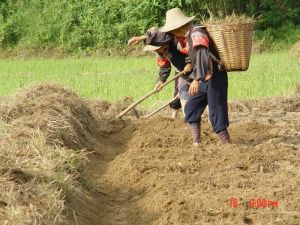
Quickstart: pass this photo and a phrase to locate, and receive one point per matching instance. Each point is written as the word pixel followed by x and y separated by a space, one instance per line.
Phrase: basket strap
pixel 213 57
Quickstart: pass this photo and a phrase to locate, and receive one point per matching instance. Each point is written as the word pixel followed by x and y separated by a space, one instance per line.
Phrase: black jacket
pixel 199 47
pixel 172 56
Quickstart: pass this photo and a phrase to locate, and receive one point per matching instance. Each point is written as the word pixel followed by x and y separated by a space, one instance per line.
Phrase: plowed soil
pixel 146 172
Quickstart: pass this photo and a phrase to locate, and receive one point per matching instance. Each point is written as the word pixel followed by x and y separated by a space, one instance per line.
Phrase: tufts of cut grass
pixel 44 131
pixel 230 19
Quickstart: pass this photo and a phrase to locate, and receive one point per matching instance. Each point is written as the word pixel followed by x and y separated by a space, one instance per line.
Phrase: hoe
pixel 131 107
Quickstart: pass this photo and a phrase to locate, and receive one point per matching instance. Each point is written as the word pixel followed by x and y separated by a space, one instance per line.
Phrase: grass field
pixel 114 78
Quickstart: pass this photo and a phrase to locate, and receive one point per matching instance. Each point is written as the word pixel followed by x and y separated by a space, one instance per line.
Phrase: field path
pixel 107 203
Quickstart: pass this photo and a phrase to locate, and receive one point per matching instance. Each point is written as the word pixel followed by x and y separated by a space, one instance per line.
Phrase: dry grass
pixel 44 130
pixel 228 20
pixel 34 176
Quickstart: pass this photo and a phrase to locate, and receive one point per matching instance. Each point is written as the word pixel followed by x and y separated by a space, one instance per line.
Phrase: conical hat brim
pixel 173 26
pixel 151 48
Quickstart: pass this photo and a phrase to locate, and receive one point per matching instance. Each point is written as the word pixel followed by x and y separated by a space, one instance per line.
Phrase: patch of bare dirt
pixel 150 174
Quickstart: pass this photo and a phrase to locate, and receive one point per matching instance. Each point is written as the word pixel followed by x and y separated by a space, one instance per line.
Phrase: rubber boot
pixel 224 137
pixel 196 133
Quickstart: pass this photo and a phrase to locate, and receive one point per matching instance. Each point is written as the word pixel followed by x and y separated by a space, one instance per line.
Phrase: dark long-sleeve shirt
pixel 201 68
pixel 198 50
pixel 176 56
pixel 164 66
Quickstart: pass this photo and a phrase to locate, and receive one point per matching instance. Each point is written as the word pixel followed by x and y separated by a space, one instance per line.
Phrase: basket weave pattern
pixel 233 43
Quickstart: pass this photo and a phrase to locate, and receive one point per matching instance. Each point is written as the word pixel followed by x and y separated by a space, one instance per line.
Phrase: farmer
pixel 169 51
pixel 210 81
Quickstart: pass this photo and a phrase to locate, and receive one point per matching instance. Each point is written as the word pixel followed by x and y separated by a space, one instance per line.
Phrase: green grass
pixel 113 78
pixel 275 74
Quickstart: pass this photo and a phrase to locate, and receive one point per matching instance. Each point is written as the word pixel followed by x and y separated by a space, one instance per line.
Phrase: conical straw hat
pixel 175 19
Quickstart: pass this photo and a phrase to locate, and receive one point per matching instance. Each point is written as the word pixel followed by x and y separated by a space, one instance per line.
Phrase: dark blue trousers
pixel 214 94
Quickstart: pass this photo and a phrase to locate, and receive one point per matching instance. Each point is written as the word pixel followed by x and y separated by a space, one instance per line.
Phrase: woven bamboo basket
pixel 233 43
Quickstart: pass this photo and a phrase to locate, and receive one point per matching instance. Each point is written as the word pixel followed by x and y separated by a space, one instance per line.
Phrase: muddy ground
pixel 146 172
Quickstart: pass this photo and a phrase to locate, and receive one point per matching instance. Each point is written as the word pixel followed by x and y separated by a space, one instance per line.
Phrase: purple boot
pixel 196 133
pixel 224 137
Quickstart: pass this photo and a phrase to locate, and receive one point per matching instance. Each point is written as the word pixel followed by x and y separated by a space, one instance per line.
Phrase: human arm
pixel 164 71
pixel 202 67
pixel 136 40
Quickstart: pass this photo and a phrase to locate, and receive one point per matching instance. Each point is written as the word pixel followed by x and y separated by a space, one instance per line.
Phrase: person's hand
pixel 208 76
pixel 158 85
pixel 194 87
pixel 136 40
pixel 188 68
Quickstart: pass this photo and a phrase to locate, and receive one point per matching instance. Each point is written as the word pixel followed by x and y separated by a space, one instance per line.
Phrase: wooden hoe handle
pixel 157 110
pixel 120 115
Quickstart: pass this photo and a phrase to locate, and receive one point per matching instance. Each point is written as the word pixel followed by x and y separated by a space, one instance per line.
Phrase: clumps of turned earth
pixel 285 104
pixel 108 110
pixel 160 179
pixel 67 160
